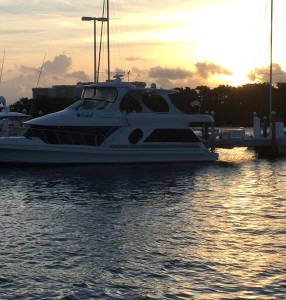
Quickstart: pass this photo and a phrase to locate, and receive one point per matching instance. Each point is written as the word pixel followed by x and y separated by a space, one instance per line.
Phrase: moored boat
pixel 113 122
pixel 11 123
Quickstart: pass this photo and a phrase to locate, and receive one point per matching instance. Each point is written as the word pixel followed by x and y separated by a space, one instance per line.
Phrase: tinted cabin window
pixel 172 135
pixel 129 104
pixel 155 103
pixel 92 136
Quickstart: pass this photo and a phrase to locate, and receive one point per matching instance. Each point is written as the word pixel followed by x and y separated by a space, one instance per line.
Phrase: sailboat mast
pixel 108 45
pixel 271 71
pixel 2 67
pixel 41 70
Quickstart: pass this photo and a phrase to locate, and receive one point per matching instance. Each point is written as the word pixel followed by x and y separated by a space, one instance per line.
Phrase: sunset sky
pixel 173 43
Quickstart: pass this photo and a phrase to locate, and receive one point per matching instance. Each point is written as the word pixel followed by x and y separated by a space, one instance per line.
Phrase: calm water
pixel 210 231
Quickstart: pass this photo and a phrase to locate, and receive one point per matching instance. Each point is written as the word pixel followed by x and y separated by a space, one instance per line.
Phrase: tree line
pixel 233 106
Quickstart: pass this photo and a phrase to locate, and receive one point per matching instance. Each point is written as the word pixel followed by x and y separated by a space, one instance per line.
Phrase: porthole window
pixel 135 136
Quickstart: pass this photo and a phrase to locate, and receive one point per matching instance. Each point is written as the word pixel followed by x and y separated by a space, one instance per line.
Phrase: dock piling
pixel 273 134
pixel 213 133
pixel 264 127
pixel 256 126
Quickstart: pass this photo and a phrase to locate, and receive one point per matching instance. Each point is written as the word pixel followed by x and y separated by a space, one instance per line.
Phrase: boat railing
pixel 12 131
pixel 52 136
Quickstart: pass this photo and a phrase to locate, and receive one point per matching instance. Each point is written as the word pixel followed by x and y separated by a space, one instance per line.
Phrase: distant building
pixel 68 91
pixel 61 91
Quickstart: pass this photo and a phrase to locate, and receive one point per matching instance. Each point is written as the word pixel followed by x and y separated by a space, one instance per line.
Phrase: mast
pixel 271 71
pixel 105 12
pixel 108 45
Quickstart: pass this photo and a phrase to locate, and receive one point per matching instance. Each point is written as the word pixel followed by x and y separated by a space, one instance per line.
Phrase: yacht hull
pixel 21 150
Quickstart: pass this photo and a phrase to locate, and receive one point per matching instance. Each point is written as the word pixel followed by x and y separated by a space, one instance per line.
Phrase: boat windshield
pixel 95 98
pixel 101 94
pixel 89 105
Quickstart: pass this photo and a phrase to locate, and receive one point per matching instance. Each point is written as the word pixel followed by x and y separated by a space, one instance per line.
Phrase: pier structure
pixel 266 141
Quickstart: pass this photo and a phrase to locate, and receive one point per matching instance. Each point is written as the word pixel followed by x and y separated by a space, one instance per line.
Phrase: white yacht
pixel 11 123
pixel 114 122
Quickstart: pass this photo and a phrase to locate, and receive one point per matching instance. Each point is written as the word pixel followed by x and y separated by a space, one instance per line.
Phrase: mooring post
pixel 264 127
pixel 256 126
pixel 273 134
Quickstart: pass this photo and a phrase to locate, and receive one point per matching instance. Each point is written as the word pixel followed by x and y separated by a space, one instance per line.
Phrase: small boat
pixel 11 123
pixel 114 122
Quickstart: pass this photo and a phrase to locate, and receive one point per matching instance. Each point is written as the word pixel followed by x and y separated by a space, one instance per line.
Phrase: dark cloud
pixel 169 73
pixel 262 74
pixel 79 74
pixel 205 70
pixel 132 58
pixel 54 72
pixel 61 64
pixel 177 77
pixel 27 70
pixel 32 7
pixel 58 71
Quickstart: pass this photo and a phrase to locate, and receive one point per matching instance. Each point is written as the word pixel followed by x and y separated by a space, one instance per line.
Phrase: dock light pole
pixel 94 41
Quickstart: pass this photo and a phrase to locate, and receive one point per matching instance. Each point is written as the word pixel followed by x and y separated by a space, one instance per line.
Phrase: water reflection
pixel 236 155
pixel 242 232
pixel 119 182
pixel 202 231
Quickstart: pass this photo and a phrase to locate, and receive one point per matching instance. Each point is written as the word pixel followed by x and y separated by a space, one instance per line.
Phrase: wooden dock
pixel 270 146
pixel 266 141
pixel 246 142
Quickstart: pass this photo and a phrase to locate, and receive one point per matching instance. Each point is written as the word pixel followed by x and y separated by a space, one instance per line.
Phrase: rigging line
pixel 100 43
pixel 41 71
pixel 139 74
pixel 2 67
pixel 34 100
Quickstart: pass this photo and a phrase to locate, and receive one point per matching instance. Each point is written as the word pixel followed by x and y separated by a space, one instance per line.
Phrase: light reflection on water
pixel 211 231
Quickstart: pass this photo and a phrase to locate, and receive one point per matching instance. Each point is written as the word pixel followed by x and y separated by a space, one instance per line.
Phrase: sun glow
pixel 234 40
pixel 227 35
